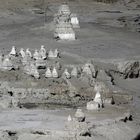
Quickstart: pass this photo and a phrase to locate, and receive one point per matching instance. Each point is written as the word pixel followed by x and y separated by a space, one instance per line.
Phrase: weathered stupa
pixel 64 9
pixel 65 22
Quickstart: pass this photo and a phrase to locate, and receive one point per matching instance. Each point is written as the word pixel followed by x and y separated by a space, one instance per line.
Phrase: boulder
pixel 129 69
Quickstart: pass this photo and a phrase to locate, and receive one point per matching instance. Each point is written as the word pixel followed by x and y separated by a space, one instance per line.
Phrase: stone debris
pixel 48 73
pixel 28 52
pixel 22 52
pixel 43 52
pixel 54 73
pixel 13 51
pixel 66 74
pixel 79 115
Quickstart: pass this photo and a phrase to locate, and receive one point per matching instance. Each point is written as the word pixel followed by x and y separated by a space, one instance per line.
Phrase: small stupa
pixel 43 52
pixel 22 52
pixel 74 72
pixel 80 116
pixel 36 55
pixel 66 74
pixel 98 98
pixel 87 70
pixel 56 53
pixel 48 73
pixel 69 118
pixel 7 64
pixel 74 21
pixel 34 71
pixel 13 51
pixel 54 73
pixel 28 52
pixel 51 54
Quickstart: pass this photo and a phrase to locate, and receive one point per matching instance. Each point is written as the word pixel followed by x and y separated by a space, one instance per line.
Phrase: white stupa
pixel 34 71
pixel 42 52
pixel 13 51
pixel 28 52
pixel 74 20
pixel 22 52
pixel 97 98
pixel 56 53
pixel 51 54
pixel 87 70
pixel 74 72
pixel 66 74
pixel 80 115
pixel 69 118
pixel 48 73
pixel 36 55
pixel 54 73
pixel 7 64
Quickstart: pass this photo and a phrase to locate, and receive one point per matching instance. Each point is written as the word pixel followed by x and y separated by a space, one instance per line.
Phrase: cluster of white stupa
pixel 65 21
pixel 38 54
pixel 31 63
